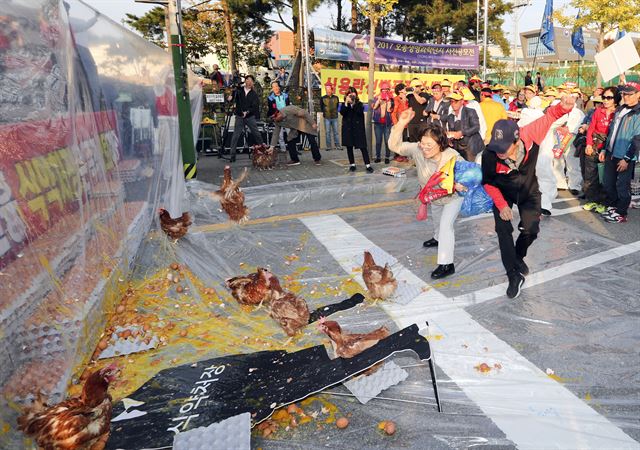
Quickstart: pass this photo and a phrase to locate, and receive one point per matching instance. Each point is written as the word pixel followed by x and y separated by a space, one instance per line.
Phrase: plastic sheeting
pixel 88 148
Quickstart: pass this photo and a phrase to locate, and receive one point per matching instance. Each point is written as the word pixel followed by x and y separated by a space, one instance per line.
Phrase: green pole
pixel 182 93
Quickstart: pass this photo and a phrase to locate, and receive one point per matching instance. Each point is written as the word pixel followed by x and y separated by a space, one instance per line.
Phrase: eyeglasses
pixel 608 97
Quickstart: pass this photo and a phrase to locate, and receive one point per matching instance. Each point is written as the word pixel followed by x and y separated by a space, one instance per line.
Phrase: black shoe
pixel 352 168
pixel 232 159
pixel 574 191
pixel 377 160
pixel 430 243
pixel 545 212
pixel 443 270
pixel 516 281
pixel 582 196
pixel 369 169
pixel 386 160
pixel 522 267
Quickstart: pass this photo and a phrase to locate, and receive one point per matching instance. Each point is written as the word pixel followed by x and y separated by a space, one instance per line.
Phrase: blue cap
pixel 505 132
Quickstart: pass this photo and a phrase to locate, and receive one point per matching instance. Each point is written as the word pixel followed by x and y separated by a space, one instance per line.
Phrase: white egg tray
pixel 367 387
pixel 232 433
pixel 129 345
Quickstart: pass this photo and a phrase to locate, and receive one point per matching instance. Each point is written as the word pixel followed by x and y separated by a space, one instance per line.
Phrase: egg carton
pixel 635 188
pixel 128 346
pixel 379 256
pixel 405 292
pixel 234 432
pixel 367 387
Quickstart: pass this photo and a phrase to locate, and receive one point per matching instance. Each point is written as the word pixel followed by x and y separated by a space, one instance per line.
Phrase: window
pixel 532 43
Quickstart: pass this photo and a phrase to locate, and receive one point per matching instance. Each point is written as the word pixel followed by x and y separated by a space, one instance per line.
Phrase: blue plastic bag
pixel 476 200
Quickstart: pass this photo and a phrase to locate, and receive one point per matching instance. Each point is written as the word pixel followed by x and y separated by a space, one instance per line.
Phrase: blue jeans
pixel 381 129
pixel 331 126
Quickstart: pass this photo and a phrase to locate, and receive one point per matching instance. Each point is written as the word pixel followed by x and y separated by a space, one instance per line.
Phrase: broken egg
pixel 342 423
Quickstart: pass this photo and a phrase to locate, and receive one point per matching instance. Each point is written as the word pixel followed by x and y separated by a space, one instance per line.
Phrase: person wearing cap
pixel 621 153
pixel 418 103
pixel 492 111
pixel 382 107
pixel 509 177
pixel 475 86
pixel 446 87
pixel 437 108
pixel 400 104
pixel 497 96
pixel 595 137
pixel 329 107
pixel 470 102
pixel 432 154
pixel 530 91
pixel 463 128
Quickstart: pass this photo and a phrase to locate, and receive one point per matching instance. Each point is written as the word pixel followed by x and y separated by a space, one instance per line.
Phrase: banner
pixel 359 79
pixel 341 46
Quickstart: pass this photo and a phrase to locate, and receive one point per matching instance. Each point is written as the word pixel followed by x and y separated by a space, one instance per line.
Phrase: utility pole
pixel 307 60
pixel 516 18
pixel 173 19
pixel 486 28
pixel 477 22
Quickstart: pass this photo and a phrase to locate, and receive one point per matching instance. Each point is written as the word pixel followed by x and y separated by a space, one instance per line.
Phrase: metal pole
pixel 182 90
pixel 307 60
pixel 515 47
pixel 477 22
pixel 486 26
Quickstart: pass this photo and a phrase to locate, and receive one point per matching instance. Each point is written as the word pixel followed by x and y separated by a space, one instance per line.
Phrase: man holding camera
pixel 247 113
pixel 417 102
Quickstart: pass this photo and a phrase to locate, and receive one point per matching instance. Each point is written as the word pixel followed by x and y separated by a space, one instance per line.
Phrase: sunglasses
pixel 608 97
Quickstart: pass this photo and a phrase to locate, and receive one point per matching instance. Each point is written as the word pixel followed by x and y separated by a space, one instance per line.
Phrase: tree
pixel 204 29
pixel 447 21
pixel 374 10
pixel 602 17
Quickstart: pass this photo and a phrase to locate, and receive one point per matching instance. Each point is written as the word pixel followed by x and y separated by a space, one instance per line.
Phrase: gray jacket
pixel 296 120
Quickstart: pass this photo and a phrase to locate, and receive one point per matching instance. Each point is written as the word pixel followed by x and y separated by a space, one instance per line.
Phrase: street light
pixel 517 4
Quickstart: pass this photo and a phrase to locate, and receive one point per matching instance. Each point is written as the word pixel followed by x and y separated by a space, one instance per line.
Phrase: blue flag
pixel 620 34
pixel 546 33
pixel 577 40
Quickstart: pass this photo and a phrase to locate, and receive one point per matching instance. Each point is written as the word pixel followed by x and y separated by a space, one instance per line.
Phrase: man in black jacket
pixel 463 128
pixel 437 106
pixel 247 113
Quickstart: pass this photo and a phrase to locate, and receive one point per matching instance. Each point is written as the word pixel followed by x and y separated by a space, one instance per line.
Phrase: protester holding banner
pixel 353 132
pixel 329 107
pixel 418 103
pixel 431 155
pixel 381 117
pixel 463 128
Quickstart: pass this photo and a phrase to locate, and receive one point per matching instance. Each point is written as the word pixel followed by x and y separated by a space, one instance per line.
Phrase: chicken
pixel 379 281
pixel 231 197
pixel 290 311
pixel 263 156
pixel 80 423
pixel 255 288
pixel 349 345
pixel 174 228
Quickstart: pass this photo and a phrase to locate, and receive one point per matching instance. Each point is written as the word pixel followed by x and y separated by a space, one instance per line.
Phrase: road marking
pixel 546 275
pixel 530 408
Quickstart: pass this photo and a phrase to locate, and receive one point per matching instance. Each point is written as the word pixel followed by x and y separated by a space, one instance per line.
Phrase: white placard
pixel 214 98
pixel 618 57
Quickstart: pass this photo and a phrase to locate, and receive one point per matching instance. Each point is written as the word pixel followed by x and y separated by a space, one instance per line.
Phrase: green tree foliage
pixel 447 21
pixel 204 29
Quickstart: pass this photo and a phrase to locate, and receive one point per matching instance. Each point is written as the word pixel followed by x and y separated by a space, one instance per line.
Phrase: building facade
pixel 564 51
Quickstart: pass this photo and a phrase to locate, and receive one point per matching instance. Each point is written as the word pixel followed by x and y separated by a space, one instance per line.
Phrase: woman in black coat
pixel 353 134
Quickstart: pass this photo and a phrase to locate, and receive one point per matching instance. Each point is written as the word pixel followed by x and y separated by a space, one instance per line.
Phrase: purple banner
pixel 341 46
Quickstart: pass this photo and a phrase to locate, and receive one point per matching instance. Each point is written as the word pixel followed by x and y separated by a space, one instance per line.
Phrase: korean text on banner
pixel 341 46
pixel 342 79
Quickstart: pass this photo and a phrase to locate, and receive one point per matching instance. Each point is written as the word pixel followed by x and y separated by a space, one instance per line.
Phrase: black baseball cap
pixel 505 132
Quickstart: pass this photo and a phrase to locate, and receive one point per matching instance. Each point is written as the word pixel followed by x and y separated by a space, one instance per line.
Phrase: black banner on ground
pixel 197 395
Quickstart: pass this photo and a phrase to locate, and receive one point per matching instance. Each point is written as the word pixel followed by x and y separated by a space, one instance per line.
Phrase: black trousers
pixel 415 130
pixel 617 185
pixel 365 155
pixel 593 190
pixel 529 227
pixel 293 150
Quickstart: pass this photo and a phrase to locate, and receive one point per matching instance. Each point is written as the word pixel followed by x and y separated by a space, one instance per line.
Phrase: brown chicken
pixel 81 423
pixel 174 228
pixel 379 281
pixel 290 311
pixel 231 197
pixel 263 156
pixel 349 345
pixel 255 288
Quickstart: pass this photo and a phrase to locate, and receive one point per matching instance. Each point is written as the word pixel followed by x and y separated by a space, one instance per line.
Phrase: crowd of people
pixel 529 144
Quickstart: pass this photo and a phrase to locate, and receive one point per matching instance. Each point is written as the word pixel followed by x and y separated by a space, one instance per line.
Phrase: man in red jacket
pixel 509 177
